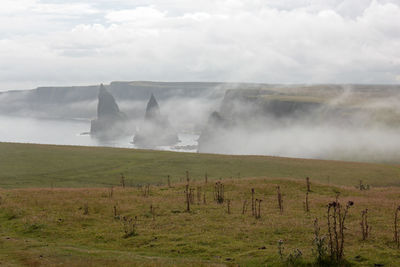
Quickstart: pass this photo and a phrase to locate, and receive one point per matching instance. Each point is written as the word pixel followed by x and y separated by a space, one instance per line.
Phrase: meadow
pixel 70 206
pixel 30 165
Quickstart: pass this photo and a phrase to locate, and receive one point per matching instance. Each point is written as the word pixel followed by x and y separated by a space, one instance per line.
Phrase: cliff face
pixel 156 129
pixel 239 103
pixel 71 102
pixel 110 120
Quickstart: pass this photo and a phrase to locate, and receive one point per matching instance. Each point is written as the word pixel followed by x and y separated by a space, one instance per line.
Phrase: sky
pixel 79 42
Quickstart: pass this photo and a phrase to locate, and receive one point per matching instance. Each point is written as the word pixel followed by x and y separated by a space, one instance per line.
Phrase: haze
pixel 58 42
pixel 315 79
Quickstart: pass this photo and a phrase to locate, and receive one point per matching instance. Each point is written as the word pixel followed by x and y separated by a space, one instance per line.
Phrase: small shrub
pixel 30 228
pixel 219 192
pixel 111 192
pixel 129 226
pixel 153 212
pixel 280 200
pixel 295 258
pixel 244 208
pixel 146 190
pixel 122 180
pixel 306 204
pixel 253 204
pixel 364 224
pixel 280 248
pixel 363 186
pixel 396 231
pixel 85 209
pixel 319 243
pixel 187 198
pixel 336 217
pixel 115 210
pixel 258 208
pixel 198 195
pixel 191 195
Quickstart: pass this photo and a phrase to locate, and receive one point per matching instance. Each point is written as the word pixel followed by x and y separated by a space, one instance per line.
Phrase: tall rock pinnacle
pixel 110 119
pixel 152 109
pixel 107 107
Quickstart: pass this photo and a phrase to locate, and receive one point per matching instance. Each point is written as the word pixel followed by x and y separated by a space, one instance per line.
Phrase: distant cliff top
pixel 81 101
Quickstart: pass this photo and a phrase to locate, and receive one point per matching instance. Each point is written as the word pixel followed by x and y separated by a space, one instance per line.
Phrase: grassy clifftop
pixel 86 227
pixel 151 226
pixel 28 165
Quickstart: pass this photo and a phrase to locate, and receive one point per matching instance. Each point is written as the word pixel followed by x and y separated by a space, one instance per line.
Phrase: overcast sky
pixel 70 42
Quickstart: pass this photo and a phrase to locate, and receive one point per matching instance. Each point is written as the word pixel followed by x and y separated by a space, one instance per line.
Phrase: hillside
pixel 29 165
pixel 129 227
pixel 69 206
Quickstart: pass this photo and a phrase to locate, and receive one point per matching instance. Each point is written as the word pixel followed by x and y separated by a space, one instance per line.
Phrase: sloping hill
pixel 27 165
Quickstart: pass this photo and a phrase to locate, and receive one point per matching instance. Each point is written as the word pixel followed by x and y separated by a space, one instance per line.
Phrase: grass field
pixel 49 226
pixel 26 165
pixel 56 208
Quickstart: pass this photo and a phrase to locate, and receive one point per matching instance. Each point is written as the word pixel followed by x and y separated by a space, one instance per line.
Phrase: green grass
pixel 48 226
pixel 28 165
pixel 42 226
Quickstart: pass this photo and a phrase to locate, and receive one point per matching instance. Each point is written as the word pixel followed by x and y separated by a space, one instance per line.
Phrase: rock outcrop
pixel 110 120
pixel 156 129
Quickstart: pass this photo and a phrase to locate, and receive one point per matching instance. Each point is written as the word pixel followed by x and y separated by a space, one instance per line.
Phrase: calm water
pixel 69 132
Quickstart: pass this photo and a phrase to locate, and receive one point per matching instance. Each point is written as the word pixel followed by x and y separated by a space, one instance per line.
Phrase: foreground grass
pixel 48 226
pixel 27 165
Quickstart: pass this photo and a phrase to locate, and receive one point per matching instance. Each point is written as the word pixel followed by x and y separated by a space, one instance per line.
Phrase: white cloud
pixel 140 15
pixel 75 42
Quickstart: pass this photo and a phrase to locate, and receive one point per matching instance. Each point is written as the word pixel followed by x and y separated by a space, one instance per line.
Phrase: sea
pixel 74 132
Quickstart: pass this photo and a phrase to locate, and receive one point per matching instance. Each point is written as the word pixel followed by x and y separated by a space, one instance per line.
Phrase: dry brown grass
pixel 51 223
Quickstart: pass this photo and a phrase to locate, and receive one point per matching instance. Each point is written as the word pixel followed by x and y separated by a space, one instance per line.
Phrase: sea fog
pixel 73 132
pixel 333 122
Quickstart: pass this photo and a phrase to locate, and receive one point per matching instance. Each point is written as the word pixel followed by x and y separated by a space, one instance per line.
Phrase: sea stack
pixel 110 120
pixel 156 129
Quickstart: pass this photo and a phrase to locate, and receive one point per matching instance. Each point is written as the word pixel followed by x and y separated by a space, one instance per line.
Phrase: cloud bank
pixel 57 42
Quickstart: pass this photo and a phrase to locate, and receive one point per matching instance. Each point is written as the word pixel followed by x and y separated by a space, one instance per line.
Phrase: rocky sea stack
pixel 110 120
pixel 156 129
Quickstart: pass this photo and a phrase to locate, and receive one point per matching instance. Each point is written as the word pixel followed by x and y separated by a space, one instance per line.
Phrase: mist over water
pixel 315 142
pixel 71 132
pixel 328 122
pixel 344 123
pixel 301 140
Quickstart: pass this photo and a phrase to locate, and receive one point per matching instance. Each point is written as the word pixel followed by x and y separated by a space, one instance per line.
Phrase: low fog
pixel 274 46
pixel 355 123
pixel 185 114
pixel 310 141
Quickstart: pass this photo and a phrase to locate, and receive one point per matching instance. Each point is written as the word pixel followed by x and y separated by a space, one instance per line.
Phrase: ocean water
pixel 73 132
